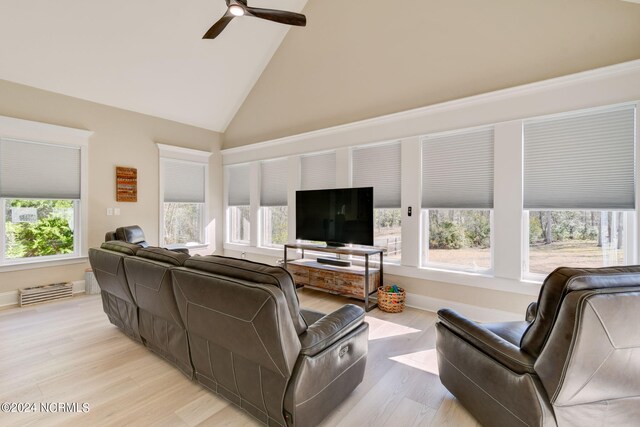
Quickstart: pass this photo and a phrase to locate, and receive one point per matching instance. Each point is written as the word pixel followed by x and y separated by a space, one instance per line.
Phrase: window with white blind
pixel 579 188
pixel 238 203
pixel 378 166
pixel 183 196
pixel 457 199
pixel 273 202
pixel 318 171
pixel 40 193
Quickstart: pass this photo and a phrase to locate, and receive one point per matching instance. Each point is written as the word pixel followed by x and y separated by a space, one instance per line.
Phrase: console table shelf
pixel 353 281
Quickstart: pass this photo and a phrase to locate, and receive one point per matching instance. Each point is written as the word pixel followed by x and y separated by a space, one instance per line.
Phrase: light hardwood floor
pixel 69 352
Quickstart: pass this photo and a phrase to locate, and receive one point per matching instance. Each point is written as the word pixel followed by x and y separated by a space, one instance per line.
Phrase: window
pixel 273 202
pixel 579 189
pixel 238 204
pixel 40 203
pixel 183 197
pixel 576 239
pixel 457 200
pixel 378 166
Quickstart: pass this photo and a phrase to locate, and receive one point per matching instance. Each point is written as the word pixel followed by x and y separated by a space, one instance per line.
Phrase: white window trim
pixel 171 152
pixel 30 131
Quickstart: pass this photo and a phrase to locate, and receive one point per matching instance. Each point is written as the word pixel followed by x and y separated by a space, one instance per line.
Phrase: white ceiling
pixel 140 55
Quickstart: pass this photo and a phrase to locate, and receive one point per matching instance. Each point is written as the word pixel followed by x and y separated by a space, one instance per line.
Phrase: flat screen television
pixel 337 216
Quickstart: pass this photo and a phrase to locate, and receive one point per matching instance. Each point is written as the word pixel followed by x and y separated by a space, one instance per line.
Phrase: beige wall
pixel 359 59
pixel 121 138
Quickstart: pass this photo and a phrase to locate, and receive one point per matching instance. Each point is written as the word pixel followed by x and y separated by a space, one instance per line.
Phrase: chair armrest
pixel 311 316
pixel 486 341
pixel 329 329
pixel 532 312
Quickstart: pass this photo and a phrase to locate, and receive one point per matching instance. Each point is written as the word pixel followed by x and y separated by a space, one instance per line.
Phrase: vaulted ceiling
pixel 146 56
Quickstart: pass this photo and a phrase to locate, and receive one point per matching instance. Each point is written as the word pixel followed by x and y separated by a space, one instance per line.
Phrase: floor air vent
pixel 45 293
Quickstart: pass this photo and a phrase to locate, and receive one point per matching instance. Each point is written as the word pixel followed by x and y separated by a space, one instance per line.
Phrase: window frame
pixel 44 133
pixel 187 155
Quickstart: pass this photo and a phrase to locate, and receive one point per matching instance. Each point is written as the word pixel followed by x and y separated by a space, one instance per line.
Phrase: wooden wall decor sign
pixel 126 184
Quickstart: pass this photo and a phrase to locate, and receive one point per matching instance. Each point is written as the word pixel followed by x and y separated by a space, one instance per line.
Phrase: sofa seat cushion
pixel 254 272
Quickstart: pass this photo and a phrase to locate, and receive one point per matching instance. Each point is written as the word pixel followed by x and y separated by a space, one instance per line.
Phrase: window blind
pixel 273 183
pixel 35 170
pixel 318 171
pixel 581 161
pixel 379 167
pixel 184 181
pixel 239 189
pixel 457 170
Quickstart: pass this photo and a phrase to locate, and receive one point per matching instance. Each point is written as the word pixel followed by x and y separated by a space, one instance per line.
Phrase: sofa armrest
pixel 329 329
pixel 532 312
pixel 311 316
pixel 486 341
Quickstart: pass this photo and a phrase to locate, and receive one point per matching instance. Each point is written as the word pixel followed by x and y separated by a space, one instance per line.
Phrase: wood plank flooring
pixel 69 352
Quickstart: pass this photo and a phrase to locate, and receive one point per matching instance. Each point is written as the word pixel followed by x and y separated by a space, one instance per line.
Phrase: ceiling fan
pixel 240 8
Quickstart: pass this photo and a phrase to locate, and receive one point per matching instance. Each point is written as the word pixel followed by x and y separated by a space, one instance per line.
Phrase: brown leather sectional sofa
pixel 236 327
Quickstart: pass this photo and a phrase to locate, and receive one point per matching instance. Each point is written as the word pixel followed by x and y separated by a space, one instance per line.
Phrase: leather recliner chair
pixel 133 234
pixel 575 361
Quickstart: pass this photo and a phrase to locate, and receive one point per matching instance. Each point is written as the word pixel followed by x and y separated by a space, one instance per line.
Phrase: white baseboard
pixel 474 312
pixel 10 298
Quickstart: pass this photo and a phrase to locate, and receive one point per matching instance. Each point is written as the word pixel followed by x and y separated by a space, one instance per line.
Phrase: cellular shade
pixel 238 186
pixel 457 170
pixel 379 167
pixel 273 183
pixel 184 182
pixel 34 170
pixel 318 171
pixel 581 161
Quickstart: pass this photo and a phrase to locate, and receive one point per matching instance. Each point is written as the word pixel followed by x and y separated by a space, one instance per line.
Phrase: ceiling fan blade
pixel 217 28
pixel 281 16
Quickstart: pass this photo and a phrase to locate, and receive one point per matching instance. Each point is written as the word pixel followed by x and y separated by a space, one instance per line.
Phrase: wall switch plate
pixel 109 211
pixel 116 211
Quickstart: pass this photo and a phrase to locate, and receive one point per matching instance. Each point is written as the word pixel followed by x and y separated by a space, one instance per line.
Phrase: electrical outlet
pixel 109 211
pixel 116 211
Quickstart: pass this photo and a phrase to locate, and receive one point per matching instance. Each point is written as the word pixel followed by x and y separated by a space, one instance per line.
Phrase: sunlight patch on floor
pixel 383 329
pixel 426 360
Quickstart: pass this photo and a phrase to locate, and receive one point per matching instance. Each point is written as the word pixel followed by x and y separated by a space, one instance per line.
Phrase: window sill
pixel 261 250
pixel 31 264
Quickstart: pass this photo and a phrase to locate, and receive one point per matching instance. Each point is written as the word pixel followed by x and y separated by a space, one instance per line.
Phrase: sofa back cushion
pixel 242 340
pixel 124 248
pixel 167 256
pixel 254 272
pixel 150 281
pixel 558 284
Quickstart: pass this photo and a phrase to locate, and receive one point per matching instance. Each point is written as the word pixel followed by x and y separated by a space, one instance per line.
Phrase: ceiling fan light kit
pixel 237 8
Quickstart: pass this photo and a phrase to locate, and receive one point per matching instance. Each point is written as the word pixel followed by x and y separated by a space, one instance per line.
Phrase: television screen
pixel 337 216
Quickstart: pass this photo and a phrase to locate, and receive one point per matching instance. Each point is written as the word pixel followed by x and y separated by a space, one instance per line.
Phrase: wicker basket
pixel 391 302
